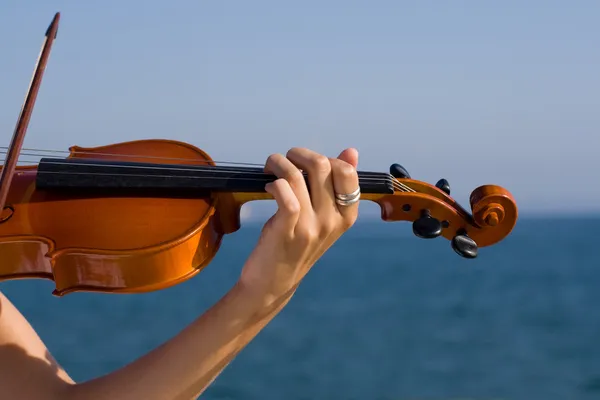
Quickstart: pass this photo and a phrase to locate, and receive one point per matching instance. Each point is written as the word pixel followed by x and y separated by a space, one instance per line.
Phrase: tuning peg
pixel 427 227
pixel 463 245
pixel 398 171
pixel 444 186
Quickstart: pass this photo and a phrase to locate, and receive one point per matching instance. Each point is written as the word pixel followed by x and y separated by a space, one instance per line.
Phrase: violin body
pixel 145 215
pixel 111 243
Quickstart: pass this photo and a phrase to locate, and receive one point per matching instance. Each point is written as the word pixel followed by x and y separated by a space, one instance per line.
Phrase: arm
pixel 183 367
pixel 303 228
pixel 179 369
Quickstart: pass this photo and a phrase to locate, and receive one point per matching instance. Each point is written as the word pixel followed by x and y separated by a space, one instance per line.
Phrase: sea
pixel 383 316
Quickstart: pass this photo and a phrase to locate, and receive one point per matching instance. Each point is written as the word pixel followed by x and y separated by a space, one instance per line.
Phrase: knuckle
pixel 295 177
pixel 292 206
pixel 346 170
pixel 279 185
pixel 307 234
pixel 328 227
pixel 289 202
pixel 349 220
pixel 321 163
pixel 294 150
pixel 272 159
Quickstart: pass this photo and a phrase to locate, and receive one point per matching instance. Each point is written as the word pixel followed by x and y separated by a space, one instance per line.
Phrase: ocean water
pixel 383 315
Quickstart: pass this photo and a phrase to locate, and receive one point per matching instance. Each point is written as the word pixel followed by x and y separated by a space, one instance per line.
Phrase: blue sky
pixel 476 92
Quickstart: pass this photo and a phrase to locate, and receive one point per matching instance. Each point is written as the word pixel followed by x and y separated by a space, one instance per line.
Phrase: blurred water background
pixel 383 315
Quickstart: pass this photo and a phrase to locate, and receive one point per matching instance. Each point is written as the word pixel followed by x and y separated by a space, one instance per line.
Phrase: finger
pixel 283 168
pixel 350 156
pixel 288 206
pixel 318 168
pixel 345 181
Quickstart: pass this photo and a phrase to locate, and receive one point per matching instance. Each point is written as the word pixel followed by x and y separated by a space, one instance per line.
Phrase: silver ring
pixel 346 203
pixel 348 199
pixel 349 196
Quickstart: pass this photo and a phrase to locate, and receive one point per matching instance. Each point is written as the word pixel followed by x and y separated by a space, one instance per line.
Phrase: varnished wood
pixel 108 243
pixel 112 243
pixel 486 201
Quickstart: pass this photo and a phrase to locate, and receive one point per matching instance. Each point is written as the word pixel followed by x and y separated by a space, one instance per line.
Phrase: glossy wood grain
pixel 118 243
pixel 108 243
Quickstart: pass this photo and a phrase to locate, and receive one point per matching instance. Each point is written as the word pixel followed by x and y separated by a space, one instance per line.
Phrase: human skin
pixel 305 225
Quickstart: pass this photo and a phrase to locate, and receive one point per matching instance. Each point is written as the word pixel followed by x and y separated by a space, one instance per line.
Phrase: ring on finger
pixel 348 199
pixel 348 196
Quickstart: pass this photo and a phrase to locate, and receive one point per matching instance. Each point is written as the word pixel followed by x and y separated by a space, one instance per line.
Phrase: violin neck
pixel 85 174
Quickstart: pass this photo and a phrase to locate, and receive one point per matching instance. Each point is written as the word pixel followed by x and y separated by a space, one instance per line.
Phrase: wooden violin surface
pixel 109 242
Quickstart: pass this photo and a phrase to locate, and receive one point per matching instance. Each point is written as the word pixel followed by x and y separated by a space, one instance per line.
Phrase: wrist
pixel 260 300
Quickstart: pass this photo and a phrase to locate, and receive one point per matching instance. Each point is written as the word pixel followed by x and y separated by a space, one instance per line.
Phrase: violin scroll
pixel 491 204
pixel 434 213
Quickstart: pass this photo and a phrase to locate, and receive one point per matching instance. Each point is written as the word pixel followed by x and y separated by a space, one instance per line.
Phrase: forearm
pixel 184 366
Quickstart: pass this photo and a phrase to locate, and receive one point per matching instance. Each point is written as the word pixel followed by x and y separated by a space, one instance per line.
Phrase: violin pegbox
pixel 434 213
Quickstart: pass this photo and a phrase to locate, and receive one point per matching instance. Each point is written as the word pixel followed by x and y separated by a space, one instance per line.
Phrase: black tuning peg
pixel 398 171
pixel 463 245
pixel 427 227
pixel 444 186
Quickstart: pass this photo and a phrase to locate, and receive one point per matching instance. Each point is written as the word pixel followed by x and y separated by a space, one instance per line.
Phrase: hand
pixel 305 224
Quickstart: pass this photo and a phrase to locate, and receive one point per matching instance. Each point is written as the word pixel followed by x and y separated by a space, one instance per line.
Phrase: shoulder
pixel 24 357
pixel 14 328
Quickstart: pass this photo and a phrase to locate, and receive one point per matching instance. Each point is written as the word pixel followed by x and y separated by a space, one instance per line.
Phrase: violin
pixel 145 215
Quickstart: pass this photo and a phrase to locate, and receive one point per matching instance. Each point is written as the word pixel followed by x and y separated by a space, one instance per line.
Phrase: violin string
pixel 388 177
pixel 4 149
pixel 209 167
pixel 40 152
pixel 364 179
pixel 195 161
pixel 398 186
